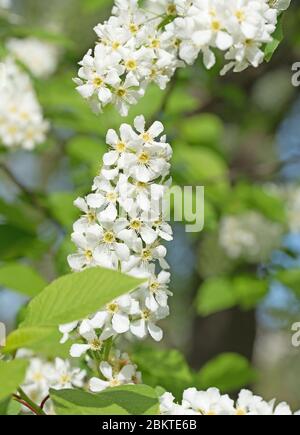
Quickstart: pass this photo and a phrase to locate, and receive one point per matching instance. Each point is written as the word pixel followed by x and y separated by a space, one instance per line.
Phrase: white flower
pixel 211 402
pixel 121 228
pixel 120 145
pixel 93 342
pixel 249 236
pixel 139 264
pixel 147 44
pixel 66 330
pixel 136 228
pixel 147 323
pixel 169 407
pixel 247 403
pixel 157 291
pixel 96 76
pixel 87 244
pixel 124 376
pixel 38 373
pixel 40 57
pixel 115 319
pixel 127 93
pixel 67 377
pixel 21 118
pixel 42 375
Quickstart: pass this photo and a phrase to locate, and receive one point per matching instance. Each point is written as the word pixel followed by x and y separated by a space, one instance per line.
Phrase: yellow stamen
pixel 131 64
pixel 109 237
pixel 88 255
pixel 96 344
pixel 144 158
pixel 135 224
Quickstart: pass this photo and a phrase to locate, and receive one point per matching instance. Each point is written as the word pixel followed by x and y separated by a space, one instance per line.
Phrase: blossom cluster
pixel 21 118
pixel 42 375
pixel 212 402
pixel 139 45
pixel 249 236
pixel 122 228
pixel 40 57
pixel 119 370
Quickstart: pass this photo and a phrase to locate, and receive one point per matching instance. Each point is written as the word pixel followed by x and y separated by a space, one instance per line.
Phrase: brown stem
pixel 42 405
pixel 22 402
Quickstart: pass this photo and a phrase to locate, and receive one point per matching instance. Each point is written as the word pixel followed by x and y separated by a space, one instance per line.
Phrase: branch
pixel 27 402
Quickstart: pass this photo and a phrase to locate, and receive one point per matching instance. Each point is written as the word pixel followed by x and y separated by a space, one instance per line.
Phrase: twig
pixel 42 405
pixel 24 400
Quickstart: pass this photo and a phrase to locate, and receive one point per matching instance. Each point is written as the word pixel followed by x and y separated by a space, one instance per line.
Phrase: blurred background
pixel 237 283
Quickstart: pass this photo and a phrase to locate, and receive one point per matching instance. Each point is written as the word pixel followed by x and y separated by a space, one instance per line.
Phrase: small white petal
pixel 77 350
pixel 96 385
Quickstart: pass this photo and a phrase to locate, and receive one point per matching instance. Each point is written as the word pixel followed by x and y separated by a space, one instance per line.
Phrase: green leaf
pixel 201 166
pixel 12 375
pixel 126 400
pixel 277 37
pixel 66 248
pixel 94 5
pixel 228 372
pixel 181 101
pixel 249 290
pixel 9 407
pixel 156 366
pixel 290 278
pixel 62 207
pixel 205 129
pixel 88 150
pixel 19 215
pixel 214 295
pixel 221 293
pixel 254 197
pixel 21 278
pixel 77 295
pixel 40 33
pixel 42 340
pixel 15 243
pixel 4 404
pixel 14 408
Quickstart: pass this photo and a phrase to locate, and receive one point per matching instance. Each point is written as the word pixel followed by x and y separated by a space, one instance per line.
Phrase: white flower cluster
pixel 21 118
pixel 122 228
pixel 41 58
pixel 132 52
pixel 249 236
pixel 42 375
pixel 239 28
pixel 118 371
pixel 212 402
pixel 138 46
